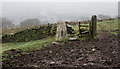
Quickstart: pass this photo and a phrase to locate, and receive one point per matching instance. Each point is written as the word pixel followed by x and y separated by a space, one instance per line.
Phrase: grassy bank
pixel 27 46
pixel 108 25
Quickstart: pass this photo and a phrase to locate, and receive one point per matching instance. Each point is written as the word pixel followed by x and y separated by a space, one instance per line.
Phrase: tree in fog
pixel 30 22
pixel 102 17
pixel 6 23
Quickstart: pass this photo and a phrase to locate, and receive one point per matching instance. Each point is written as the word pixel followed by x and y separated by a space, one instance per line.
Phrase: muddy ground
pixel 101 52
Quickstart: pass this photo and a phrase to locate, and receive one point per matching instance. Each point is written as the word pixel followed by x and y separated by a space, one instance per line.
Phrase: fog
pixel 56 11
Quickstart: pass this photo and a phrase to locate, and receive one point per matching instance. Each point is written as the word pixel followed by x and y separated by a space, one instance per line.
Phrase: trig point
pixel 61 32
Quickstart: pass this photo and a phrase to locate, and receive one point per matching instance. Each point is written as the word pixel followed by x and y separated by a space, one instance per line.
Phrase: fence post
pixel 93 27
pixel 90 30
pixel 49 28
pixel 79 29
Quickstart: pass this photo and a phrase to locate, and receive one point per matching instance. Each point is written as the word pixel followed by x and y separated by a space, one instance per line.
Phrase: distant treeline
pixel 6 23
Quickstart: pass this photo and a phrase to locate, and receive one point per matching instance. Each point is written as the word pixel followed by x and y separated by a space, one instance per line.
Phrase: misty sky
pixel 59 0
pixel 56 11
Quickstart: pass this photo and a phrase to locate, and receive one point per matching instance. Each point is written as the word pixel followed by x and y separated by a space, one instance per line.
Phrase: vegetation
pixel 30 34
pixel 108 25
pixel 5 23
pixel 105 25
pixel 25 46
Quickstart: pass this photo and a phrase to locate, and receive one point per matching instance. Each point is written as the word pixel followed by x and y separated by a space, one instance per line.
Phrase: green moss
pixel 30 34
pixel 3 59
pixel 6 55
pixel 11 56
pixel 114 33
pixel 18 54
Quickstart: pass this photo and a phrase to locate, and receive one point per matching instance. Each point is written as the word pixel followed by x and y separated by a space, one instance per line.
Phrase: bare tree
pixel 5 23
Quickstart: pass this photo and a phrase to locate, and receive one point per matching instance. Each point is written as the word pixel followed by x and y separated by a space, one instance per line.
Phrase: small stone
pixel 72 38
pixel 114 52
pixel 79 59
pixel 93 50
pixel 91 63
pixel 57 54
pixel 52 62
pixel 85 64
pixel 72 50
pixel 56 43
pixel 50 51
pixel 11 33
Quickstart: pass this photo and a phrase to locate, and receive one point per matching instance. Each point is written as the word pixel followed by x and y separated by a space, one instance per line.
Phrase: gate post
pixel 93 28
pixel 79 29
pixel 90 30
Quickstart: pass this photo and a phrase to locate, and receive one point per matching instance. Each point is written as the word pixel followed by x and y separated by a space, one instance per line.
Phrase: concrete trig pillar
pixel 61 32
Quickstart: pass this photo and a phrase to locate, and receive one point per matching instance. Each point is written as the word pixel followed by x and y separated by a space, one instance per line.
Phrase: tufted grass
pixel 27 46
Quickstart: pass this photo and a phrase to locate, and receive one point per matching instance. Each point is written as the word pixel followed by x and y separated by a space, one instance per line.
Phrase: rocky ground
pixel 101 52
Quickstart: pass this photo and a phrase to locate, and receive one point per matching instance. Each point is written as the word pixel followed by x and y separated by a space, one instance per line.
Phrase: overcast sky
pixel 19 10
pixel 59 0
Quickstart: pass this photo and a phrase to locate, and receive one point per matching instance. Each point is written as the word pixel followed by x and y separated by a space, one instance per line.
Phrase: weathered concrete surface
pixel 61 32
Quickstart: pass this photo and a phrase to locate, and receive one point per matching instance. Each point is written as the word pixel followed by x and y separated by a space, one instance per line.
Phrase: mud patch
pixel 102 52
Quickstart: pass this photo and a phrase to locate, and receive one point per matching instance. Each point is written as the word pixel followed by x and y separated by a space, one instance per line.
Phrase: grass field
pixel 108 25
pixel 27 46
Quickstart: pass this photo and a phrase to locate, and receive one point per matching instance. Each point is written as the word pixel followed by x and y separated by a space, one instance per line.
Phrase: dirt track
pixel 102 52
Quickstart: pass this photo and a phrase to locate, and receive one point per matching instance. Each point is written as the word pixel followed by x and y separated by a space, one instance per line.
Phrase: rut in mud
pixel 101 52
